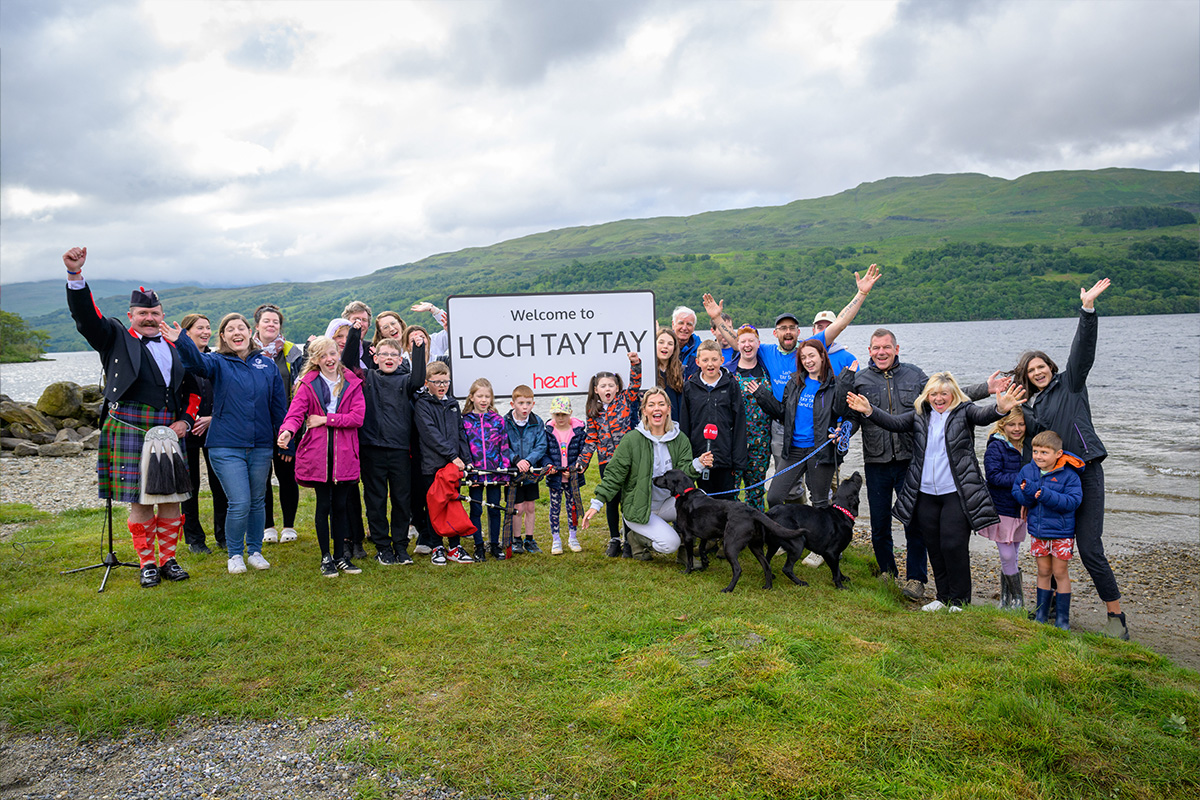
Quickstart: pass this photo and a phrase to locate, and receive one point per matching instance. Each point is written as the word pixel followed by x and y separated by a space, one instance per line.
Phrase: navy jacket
pixel 249 401
pixel 440 431
pixel 527 441
pixel 578 434
pixel 1001 463
pixel 1051 516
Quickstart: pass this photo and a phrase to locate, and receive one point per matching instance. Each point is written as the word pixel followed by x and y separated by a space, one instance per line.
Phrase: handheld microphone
pixel 710 433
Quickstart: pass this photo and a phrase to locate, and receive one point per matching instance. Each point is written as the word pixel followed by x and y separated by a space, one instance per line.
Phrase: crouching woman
pixel 648 451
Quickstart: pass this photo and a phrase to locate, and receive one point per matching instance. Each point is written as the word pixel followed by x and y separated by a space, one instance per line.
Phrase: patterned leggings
pixel 759 459
pixel 557 493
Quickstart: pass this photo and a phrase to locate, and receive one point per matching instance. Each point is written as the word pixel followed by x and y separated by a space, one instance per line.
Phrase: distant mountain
pixel 963 246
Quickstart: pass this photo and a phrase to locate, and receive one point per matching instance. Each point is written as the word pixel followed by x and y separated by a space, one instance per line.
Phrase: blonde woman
pixel 649 450
pixel 944 495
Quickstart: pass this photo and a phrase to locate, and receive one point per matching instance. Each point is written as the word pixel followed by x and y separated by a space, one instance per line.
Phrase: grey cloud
pixel 274 46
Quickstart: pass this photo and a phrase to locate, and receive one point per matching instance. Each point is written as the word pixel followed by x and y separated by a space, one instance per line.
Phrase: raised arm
pixel 847 314
pixel 714 309
pixel 1083 347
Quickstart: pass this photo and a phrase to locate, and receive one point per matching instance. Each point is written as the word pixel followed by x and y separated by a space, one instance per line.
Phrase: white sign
pixel 552 343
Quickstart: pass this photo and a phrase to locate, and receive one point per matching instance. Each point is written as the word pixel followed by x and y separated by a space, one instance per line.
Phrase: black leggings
pixel 289 493
pixel 612 510
pixel 946 531
pixel 331 513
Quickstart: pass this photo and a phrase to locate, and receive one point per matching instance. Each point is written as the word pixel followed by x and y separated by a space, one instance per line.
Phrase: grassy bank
pixel 593 678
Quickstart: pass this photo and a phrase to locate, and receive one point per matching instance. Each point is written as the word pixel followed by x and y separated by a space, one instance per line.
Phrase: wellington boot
pixel 1005 592
pixel 1042 613
pixel 1062 612
pixel 1018 591
pixel 641 548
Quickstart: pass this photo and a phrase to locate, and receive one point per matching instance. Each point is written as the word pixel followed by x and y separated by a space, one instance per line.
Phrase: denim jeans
pixel 883 481
pixel 243 473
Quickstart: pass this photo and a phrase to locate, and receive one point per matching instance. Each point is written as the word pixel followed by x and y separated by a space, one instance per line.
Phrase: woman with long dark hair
pixel 1058 401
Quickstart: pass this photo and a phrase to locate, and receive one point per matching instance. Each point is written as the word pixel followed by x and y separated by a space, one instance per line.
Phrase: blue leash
pixel 842 440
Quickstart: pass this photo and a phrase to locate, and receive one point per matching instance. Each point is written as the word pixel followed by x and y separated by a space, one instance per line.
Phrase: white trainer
pixel 270 536
pixel 936 605
pixel 236 565
pixel 556 547
pixel 813 560
pixel 287 535
pixel 257 561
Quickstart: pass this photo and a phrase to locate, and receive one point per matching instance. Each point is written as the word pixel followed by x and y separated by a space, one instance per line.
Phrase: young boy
pixel 713 397
pixel 1050 489
pixel 384 440
pixel 527 441
pixel 564 440
pixel 443 441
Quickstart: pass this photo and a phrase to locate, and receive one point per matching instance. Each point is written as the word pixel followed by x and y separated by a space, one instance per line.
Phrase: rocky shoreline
pixel 63 422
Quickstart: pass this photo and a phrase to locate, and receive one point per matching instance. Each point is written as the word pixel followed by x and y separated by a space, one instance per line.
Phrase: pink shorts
pixel 1062 549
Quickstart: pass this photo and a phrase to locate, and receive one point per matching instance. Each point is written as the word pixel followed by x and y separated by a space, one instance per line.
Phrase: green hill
pixel 952 247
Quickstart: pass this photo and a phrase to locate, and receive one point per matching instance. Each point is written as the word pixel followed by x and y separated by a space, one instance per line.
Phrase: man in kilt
pixel 143 388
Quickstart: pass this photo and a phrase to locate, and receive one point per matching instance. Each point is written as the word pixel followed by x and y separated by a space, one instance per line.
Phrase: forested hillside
pixel 951 247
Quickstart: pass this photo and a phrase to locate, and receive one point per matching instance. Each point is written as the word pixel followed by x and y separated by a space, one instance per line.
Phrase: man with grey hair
pixel 683 323
pixel 358 311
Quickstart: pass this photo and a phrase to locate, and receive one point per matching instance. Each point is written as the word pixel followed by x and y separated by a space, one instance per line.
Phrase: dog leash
pixel 842 441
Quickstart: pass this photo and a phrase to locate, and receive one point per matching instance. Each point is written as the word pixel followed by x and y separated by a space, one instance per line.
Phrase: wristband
pixel 74 273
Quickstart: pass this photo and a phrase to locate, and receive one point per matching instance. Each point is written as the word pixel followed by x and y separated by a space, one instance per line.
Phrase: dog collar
pixel 844 511
pixel 685 491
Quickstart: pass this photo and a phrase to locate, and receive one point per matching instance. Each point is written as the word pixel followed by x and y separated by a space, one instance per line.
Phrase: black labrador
pixel 699 517
pixel 828 530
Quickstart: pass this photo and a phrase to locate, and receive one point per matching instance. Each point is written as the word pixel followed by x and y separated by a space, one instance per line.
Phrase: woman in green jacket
pixel 646 452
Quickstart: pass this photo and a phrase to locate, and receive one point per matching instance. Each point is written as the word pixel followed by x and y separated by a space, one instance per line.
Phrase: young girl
pixel 488 440
pixel 564 438
pixel 670 368
pixel 388 325
pixel 610 415
pixel 329 400
pixel 1001 463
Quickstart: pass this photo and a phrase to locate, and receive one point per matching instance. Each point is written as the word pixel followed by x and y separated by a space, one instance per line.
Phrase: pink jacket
pixel 312 458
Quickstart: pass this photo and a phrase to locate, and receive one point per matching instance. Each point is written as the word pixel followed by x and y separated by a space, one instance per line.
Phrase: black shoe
pixel 149 576
pixel 172 571
pixel 328 568
pixel 614 548
pixel 531 546
pixel 346 565
pixel 403 558
pixel 497 553
pixel 626 550
pixel 199 549
pixel 386 558
pixel 359 552
pixel 518 546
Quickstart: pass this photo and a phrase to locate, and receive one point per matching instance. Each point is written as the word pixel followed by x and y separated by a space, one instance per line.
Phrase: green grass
pixel 595 678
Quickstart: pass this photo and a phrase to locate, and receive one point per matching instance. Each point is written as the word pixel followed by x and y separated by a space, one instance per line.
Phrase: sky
pixel 234 143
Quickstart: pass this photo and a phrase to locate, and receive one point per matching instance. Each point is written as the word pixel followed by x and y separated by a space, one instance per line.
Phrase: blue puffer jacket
pixel 527 441
pixel 249 399
pixel 1001 463
pixel 574 445
pixel 1051 516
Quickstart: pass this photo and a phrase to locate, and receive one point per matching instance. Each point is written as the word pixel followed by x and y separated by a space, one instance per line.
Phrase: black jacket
pixel 1063 406
pixel 960 449
pixel 894 391
pixel 121 352
pixel 720 406
pixel 388 421
pixel 829 406
pixel 440 430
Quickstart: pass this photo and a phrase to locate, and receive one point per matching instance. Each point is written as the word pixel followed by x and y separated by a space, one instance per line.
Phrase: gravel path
pixel 202 759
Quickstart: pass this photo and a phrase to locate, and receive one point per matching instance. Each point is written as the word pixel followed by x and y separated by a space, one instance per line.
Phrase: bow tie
pixel 148 339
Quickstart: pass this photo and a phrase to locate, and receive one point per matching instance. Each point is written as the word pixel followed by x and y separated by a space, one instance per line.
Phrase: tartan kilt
pixel 119 465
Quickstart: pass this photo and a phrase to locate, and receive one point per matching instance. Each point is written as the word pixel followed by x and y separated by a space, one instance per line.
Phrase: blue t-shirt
pixel 781 365
pixel 802 434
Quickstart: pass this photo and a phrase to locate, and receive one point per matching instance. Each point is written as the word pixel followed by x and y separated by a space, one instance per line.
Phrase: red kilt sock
pixel 143 540
pixel 168 537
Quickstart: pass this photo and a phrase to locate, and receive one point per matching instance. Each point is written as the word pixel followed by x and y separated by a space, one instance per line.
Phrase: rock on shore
pixel 62 423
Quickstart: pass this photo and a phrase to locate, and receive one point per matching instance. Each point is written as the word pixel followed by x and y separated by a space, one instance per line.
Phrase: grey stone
pixel 92 441
pixel 68 435
pixel 71 422
pixel 19 431
pixel 60 449
pixel 91 410
pixel 9 443
pixel 24 448
pixel 27 415
pixel 91 393
pixel 84 430
pixel 60 399
pixel 42 438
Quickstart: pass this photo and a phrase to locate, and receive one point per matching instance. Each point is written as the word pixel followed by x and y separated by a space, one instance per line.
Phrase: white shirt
pixel 936 477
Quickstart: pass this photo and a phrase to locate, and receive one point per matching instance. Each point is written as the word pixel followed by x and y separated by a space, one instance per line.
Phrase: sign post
pixel 552 343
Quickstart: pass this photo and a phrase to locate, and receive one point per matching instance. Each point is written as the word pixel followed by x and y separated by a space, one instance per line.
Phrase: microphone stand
pixel 110 560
